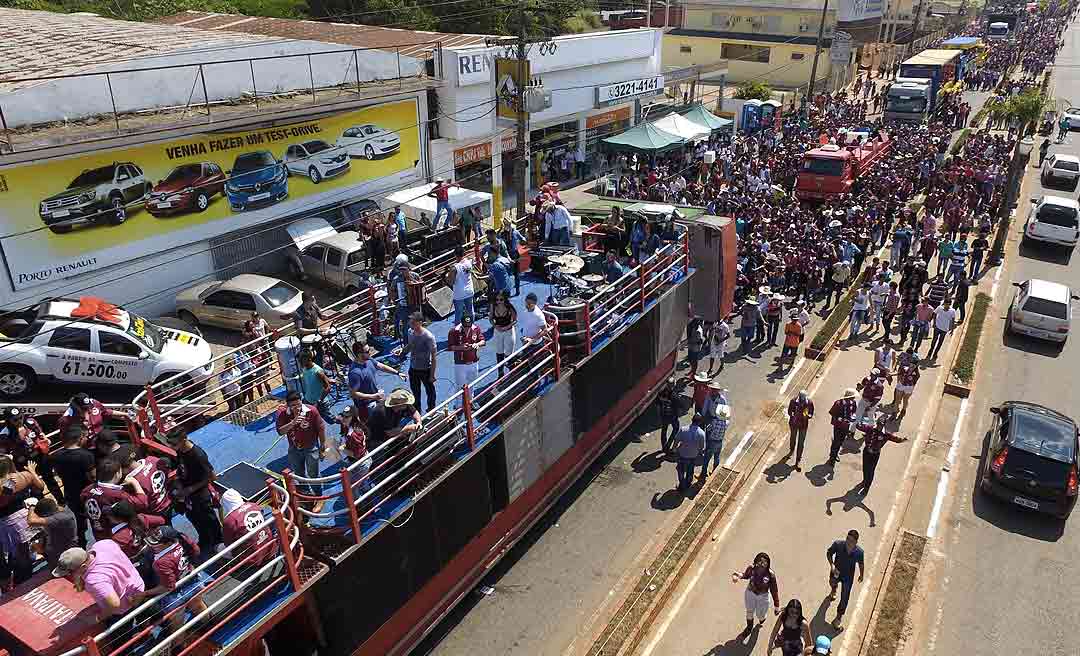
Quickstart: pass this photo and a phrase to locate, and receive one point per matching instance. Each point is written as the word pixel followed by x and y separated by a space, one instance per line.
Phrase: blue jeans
pixel 857 317
pixel 976 264
pixel 305 462
pixel 845 592
pixel 461 307
pixel 439 207
pixel 401 323
pixel 560 236
pixel 685 469
pixel 712 452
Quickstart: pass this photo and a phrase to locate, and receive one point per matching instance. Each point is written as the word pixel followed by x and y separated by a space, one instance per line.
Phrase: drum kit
pixel 564 279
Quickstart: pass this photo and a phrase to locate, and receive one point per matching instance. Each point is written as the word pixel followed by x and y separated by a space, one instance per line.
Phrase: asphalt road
pixel 1009 576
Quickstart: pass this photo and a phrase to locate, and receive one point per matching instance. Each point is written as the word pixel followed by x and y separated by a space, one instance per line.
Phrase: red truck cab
pixel 830 170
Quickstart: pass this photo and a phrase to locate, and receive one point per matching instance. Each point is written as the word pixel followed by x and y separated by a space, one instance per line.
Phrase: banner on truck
pixel 66 217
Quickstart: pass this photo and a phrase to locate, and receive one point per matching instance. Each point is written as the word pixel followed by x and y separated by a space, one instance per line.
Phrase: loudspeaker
pixel 713 255
pixel 440 303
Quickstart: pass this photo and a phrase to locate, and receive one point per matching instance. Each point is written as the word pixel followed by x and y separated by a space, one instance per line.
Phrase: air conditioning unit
pixel 803 27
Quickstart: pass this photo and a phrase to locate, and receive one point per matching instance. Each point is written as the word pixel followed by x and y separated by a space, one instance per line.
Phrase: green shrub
pixel 964 366
pixel 958 145
pixel 751 90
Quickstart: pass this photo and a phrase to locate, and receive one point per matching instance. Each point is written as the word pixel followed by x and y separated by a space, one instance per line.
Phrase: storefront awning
pixel 698 114
pixel 645 137
pixel 683 127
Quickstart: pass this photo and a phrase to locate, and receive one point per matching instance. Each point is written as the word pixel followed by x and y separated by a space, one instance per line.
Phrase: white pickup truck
pixel 86 340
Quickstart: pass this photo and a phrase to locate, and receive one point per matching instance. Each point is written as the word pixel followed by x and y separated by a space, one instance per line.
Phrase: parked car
pixel 321 254
pixel 1054 220
pixel 1031 459
pixel 230 303
pixel 101 195
pixel 369 141
pixel 317 160
pixel 187 188
pixel 1041 309
pixel 1072 115
pixel 256 180
pixel 1064 168
pixel 67 341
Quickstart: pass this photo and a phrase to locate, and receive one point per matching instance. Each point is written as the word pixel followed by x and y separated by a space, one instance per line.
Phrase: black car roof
pixel 1042 431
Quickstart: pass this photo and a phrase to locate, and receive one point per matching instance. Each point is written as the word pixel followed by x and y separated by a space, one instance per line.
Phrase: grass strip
pixel 838 315
pixel 961 139
pixel 964 366
pixel 892 614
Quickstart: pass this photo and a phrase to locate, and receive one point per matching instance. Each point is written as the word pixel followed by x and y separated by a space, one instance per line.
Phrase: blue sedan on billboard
pixel 256 180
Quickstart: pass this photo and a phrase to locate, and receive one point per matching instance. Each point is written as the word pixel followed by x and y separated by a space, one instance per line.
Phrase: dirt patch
pixel 770 408
pixel 651 583
pixel 892 613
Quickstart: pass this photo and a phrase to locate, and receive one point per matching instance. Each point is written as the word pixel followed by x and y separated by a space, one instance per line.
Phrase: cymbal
pixel 568 259
pixel 571 269
pixel 592 277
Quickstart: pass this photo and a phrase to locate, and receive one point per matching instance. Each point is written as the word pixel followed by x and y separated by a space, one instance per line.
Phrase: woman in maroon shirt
pixel 761 584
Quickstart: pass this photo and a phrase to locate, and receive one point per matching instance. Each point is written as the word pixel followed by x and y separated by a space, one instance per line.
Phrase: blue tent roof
pixel 961 41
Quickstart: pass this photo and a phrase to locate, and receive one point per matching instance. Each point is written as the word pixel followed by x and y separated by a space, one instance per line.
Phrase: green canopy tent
pixel 698 114
pixel 645 138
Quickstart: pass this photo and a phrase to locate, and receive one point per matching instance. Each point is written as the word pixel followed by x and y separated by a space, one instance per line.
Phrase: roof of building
pixel 413 43
pixel 42 43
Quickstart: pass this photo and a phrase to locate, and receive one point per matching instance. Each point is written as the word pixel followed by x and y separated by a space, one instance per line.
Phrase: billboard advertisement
pixel 65 217
pixel 852 11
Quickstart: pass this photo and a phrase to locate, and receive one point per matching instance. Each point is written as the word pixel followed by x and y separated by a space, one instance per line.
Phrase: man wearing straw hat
pixel 800 412
pixel 843 421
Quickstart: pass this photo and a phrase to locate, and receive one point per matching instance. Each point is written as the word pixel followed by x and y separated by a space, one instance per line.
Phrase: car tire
pixel 296 271
pixel 188 318
pixel 16 381
pixel 115 204
pixel 314 176
pixel 60 229
pixel 369 152
pixel 202 201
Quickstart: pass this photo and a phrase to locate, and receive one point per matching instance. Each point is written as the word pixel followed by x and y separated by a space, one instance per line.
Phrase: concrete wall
pixel 783 70
pixel 227 73
pixel 767 21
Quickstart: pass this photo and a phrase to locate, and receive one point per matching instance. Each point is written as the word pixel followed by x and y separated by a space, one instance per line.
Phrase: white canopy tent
pixel 682 126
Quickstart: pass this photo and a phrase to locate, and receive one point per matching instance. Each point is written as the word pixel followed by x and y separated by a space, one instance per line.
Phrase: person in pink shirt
pixel 106 573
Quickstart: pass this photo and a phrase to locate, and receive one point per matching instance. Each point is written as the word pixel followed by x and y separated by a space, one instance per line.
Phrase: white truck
pixel 910 100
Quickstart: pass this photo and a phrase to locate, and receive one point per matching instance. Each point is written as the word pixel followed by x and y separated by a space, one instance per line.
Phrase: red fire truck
pixel 831 169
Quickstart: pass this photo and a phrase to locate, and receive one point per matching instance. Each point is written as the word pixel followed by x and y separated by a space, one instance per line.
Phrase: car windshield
pixel 910 104
pixel 253 161
pixel 1057 215
pixel 1066 165
pixel 93 177
pixel 280 294
pixel 999 30
pixel 146 333
pixel 1045 435
pixel 185 172
pixel 823 166
pixel 1046 308
pixel 316 146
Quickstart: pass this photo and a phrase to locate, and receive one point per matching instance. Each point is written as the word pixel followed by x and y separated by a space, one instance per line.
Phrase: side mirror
pixel 995 410
pixel 1016 284
pixel 1075 297
pixel 144 355
pixel 1034 200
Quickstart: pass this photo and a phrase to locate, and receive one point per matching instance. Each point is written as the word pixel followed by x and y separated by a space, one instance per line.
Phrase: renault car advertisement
pixel 70 216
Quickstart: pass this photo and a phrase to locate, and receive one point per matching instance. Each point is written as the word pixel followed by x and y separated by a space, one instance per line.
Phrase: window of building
pixel 798 56
pixel 719 20
pixel 746 53
pixel 685 49
pixel 772 23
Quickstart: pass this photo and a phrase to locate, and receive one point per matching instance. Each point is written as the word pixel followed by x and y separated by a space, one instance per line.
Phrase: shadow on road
pixel 739 645
pixel 669 500
pixel 851 500
pixel 1045 253
pixel 778 471
pixel 1029 345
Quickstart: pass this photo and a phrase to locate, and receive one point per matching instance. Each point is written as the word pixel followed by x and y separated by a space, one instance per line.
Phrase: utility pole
pixel 521 165
pixel 817 53
pixel 915 27
pixel 648 14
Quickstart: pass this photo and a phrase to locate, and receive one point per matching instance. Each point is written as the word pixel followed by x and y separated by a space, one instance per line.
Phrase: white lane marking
pixel 943 481
pixel 791 375
pixel 939 499
pixel 950 458
pixel 997 280
pixel 676 608
pixel 888 529
pixel 734 455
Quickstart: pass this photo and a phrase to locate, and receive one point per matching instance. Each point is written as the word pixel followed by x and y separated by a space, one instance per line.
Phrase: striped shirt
pixel 959 257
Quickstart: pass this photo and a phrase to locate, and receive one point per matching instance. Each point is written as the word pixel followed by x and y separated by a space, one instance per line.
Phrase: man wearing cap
pixel 106 574
pixel 423 360
pixel 668 405
pixel 793 336
pixel 363 385
pixel 306 317
pixel 872 387
pixel 751 316
pixel 87 412
pixel 108 490
pixel 875 437
pixel 715 430
pixel 240 517
pixel 800 411
pixel 173 555
pixel 465 340
pixel 306 432
pixel 398 289
pixel 402 414
pixel 512 238
pixel 823 645
pixel 843 420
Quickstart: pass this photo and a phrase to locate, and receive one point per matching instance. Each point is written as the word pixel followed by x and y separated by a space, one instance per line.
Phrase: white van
pixel 1054 220
pixel 1041 309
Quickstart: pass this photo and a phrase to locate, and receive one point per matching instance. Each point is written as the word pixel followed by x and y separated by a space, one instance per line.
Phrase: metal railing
pixel 276 562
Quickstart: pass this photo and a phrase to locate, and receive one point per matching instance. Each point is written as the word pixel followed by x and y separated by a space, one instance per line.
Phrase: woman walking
pixel 761 583
pixel 791 633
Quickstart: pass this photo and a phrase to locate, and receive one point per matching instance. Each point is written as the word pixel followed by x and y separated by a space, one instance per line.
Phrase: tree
pixel 1027 108
pixel 751 90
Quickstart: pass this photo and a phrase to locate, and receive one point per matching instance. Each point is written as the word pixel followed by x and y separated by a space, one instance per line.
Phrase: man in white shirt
pixel 462 284
pixel 944 321
pixel 557 226
pixel 532 322
pixel 878 293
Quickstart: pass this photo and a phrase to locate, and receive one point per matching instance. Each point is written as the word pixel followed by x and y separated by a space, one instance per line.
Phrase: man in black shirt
pixel 195 475
pixel 75 466
pixel 978 250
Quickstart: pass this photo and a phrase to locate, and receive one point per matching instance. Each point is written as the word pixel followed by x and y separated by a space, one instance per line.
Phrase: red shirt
pixel 908 375
pixel 93 422
pixel 154 482
pixel 98 497
pixel 762 581
pixel 304 435
pixel 22 445
pixel 356 440
pixel 461 336
pixel 130 542
pixel 442 192
pixel 172 564
pixel 799 412
pixel 876 438
pixel 872 389
pixel 843 413
pixel 245 518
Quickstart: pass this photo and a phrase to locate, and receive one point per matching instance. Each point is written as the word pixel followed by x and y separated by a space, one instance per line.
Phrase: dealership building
pixel 104 148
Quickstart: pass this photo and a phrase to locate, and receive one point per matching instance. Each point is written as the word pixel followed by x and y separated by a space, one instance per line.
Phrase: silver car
pixel 230 303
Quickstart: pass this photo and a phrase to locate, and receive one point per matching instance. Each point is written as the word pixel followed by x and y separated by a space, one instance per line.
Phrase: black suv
pixel 1031 460
pixel 101 195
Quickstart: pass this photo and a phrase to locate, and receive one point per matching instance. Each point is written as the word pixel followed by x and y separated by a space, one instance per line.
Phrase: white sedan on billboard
pixel 316 159
pixel 369 141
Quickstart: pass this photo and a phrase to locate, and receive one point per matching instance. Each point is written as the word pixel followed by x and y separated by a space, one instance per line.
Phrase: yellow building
pixel 768 40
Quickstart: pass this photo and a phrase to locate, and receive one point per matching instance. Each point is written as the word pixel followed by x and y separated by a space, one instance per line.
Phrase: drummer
pixel 307 316
pixel 556 224
pixel 613 269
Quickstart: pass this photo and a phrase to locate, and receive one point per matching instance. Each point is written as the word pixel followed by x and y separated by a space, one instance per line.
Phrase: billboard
pixel 66 217
pixel 851 11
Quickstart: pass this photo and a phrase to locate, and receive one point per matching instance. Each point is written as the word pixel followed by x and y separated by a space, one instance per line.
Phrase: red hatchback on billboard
pixel 187 188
